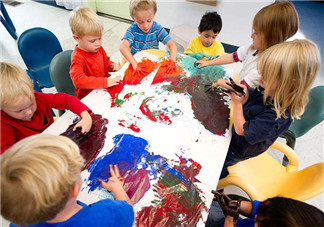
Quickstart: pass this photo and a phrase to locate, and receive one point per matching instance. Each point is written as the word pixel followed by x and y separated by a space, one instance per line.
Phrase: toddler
pixel 40 181
pixel 207 44
pixel 25 112
pixel 145 33
pixel 90 65
pixel 273 24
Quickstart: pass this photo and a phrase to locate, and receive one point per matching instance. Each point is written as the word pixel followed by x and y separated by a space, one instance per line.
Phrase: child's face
pixel 208 37
pixel 22 109
pixel 144 19
pixel 257 42
pixel 89 43
pixel 263 84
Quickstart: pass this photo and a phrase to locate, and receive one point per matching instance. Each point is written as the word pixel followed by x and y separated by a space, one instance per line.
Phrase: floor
pixel 32 14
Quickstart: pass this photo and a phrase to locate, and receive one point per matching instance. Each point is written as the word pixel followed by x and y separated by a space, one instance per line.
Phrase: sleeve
pixel 108 62
pixel 129 36
pixel 242 52
pixel 255 206
pixel 62 101
pixel 163 35
pixel 219 49
pixel 191 48
pixel 80 79
pixel 7 137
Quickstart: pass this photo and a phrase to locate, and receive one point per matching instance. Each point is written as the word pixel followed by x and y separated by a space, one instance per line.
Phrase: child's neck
pixel 70 209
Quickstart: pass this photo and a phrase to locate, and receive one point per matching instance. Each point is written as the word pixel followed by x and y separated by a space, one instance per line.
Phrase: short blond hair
pixel 291 67
pixel 83 21
pixel 276 23
pixel 139 5
pixel 37 175
pixel 14 82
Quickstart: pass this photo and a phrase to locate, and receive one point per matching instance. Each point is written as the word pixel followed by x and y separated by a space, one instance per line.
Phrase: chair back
pixel 313 115
pixel 60 72
pixel 37 47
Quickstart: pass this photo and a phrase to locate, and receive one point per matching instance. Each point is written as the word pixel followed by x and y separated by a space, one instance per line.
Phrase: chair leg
pixel 6 16
pixel 290 141
pixel 8 27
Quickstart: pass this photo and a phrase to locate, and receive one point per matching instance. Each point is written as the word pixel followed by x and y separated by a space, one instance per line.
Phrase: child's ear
pixel 76 38
pixel 199 31
pixel 75 190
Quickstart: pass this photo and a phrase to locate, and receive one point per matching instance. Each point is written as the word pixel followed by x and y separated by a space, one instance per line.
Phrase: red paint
pixel 145 109
pixel 115 90
pixel 163 74
pixel 134 128
pixel 144 68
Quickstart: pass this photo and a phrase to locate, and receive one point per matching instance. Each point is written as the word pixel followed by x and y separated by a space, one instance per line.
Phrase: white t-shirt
pixel 249 72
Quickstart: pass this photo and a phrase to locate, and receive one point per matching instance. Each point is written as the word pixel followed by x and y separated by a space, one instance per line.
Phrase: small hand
pixel 113 81
pixel 230 207
pixel 115 67
pixel 202 63
pixel 115 182
pixel 171 67
pixel 85 123
pixel 140 70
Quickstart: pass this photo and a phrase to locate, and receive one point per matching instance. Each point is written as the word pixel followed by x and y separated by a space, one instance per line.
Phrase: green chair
pixel 313 115
pixel 60 73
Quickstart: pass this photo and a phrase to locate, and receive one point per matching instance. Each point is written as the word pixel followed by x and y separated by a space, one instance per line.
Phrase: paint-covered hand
pixel 240 97
pixel 202 63
pixel 113 81
pixel 140 70
pixel 170 67
pixel 230 207
pixel 115 182
pixel 85 123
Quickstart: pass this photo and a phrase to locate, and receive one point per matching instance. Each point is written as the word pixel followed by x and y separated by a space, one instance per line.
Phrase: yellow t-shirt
pixel 196 46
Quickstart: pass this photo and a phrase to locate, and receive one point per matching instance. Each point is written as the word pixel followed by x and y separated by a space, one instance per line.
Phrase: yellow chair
pixel 263 177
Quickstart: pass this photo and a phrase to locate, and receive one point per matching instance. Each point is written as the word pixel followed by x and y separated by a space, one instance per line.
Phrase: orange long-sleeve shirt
pixel 89 71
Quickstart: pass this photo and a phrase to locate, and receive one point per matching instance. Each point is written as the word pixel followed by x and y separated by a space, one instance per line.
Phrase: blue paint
pixel 126 153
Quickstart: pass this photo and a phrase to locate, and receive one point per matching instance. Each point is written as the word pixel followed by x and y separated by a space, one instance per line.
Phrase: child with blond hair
pixel 90 65
pixel 287 72
pixel 25 112
pixel 206 43
pixel 273 24
pixel 145 33
pixel 40 182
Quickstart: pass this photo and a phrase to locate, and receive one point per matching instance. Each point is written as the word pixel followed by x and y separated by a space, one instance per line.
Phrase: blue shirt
pixel 138 40
pixel 261 128
pixel 105 212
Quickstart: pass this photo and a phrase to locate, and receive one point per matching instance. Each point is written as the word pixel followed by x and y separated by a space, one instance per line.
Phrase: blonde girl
pixel 273 24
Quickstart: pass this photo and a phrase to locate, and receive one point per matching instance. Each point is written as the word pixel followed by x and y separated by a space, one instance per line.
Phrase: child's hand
pixel 85 123
pixel 240 99
pixel 113 81
pixel 115 67
pixel 115 182
pixel 202 63
pixel 134 65
pixel 171 67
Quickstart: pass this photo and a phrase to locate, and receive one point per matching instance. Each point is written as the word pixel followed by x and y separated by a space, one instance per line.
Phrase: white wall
pixel 173 13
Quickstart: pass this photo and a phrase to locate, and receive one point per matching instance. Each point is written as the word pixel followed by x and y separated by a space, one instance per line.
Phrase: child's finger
pixel 116 170
pixel 112 172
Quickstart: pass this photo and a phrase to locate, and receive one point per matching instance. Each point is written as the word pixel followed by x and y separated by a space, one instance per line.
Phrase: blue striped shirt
pixel 138 40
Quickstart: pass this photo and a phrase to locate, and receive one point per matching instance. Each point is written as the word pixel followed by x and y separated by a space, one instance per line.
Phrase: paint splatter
pixel 131 126
pixel 114 91
pixel 162 74
pixel 90 144
pixel 144 68
pixel 178 200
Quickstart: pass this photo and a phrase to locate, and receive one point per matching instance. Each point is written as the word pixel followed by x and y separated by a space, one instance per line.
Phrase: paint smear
pixel 144 68
pixel 91 143
pixel 131 126
pixel 162 74
pixel 178 200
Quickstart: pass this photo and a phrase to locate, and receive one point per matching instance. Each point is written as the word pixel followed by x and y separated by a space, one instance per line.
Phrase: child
pixel 145 33
pixel 25 112
pixel 209 27
pixel 273 212
pixel 40 181
pixel 273 24
pixel 90 65
pixel 287 71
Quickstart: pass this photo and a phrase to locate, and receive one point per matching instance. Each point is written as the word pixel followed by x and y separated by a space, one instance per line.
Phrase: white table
pixel 185 137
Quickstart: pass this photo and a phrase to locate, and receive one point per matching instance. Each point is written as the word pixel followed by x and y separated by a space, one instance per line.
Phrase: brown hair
pixel 137 5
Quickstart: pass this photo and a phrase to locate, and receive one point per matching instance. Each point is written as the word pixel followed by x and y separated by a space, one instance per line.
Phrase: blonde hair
pixel 37 175
pixel 14 82
pixel 276 23
pixel 83 21
pixel 291 68
pixel 138 5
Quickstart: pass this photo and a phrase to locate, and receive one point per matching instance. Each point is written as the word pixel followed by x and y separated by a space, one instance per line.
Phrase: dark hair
pixel 285 212
pixel 211 21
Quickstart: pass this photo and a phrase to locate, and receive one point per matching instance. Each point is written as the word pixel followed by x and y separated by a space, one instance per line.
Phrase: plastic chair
pixel 37 47
pixel 60 73
pixel 263 177
pixel 6 21
pixel 313 115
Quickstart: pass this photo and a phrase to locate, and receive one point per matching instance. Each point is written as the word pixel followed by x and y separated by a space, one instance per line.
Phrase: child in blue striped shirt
pixel 144 33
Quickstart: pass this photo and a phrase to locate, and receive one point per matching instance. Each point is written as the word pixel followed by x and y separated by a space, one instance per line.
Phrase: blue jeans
pixel 216 216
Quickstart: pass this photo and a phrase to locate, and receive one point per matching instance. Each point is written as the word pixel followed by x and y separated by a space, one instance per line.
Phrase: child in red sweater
pixel 90 65
pixel 25 112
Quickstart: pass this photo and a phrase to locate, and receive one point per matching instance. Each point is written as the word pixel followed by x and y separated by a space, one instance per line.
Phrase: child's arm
pixel 125 50
pixel 85 123
pixel 173 50
pixel 238 117
pixel 223 60
pixel 115 184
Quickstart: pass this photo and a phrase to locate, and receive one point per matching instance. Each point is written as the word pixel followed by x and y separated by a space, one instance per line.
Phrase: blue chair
pixel 37 47
pixel 6 21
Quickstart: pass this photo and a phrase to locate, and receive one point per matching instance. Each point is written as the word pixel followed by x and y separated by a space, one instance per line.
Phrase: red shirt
pixel 13 130
pixel 89 71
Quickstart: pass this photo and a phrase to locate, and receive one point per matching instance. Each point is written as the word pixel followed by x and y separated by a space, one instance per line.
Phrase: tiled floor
pixel 31 14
